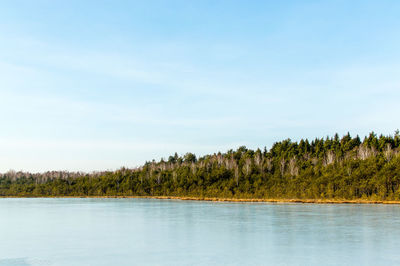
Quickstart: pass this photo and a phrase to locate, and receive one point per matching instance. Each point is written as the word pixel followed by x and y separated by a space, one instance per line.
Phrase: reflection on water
pixel 169 232
pixel 24 262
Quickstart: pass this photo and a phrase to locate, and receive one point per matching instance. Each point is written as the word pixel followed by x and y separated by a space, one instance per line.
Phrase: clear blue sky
pixel 94 85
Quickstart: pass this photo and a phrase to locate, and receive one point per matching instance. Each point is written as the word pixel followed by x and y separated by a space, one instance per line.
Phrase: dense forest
pixel 324 168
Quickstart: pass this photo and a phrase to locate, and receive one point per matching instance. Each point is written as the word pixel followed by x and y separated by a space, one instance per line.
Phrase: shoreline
pixel 304 201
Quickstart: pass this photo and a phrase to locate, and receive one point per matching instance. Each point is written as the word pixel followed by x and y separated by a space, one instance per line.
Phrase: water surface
pixel 172 232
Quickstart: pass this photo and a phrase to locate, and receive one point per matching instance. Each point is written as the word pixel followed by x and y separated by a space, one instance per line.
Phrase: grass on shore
pixel 315 201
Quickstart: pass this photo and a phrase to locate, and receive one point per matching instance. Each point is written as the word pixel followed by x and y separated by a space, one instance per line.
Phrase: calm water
pixel 166 232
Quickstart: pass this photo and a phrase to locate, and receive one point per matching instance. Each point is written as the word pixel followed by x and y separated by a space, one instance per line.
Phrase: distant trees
pixel 346 168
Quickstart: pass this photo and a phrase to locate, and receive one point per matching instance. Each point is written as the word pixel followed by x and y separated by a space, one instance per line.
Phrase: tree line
pixel 324 168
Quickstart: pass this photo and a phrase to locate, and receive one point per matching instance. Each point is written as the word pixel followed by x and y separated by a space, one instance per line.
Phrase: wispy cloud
pixel 124 85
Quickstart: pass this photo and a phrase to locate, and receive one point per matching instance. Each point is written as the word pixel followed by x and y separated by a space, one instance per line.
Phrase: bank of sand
pixel 315 201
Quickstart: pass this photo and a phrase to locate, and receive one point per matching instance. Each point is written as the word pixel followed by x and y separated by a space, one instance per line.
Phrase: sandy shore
pixel 311 201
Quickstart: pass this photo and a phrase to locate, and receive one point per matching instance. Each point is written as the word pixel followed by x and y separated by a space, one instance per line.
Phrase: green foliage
pixel 325 168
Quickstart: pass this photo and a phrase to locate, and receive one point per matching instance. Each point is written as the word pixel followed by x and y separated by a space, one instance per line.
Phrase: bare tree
pixel 293 169
pixel 314 160
pixel 220 159
pixel 269 164
pixel 230 163
pixel 388 152
pixel 364 152
pixel 247 166
pixel 329 158
pixel 174 176
pixel 193 168
pixel 237 175
pixel 282 164
pixel 259 160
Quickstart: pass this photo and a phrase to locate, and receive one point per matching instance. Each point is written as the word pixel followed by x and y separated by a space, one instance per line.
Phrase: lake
pixel 171 232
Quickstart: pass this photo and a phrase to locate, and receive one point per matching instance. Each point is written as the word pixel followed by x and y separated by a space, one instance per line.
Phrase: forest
pixel 324 168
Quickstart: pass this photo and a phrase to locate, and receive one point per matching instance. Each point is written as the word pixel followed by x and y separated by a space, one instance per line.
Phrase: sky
pixel 97 85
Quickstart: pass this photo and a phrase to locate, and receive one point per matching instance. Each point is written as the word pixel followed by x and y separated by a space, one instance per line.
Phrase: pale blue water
pixel 166 232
